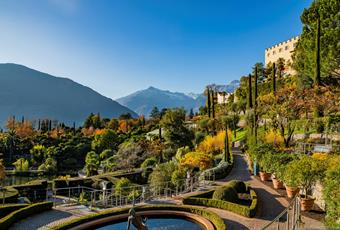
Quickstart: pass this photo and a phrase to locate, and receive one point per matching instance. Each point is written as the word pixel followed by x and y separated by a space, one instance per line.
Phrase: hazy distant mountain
pixel 143 101
pixel 230 88
pixel 33 94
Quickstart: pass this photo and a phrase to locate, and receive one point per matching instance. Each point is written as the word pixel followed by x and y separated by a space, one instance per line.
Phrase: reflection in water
pixel 159 224
pixel 17 180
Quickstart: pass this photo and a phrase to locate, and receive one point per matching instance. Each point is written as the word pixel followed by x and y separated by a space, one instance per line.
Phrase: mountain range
pixel 143 101
pixel 36 95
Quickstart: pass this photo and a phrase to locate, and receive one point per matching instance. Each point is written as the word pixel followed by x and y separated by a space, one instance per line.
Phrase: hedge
pixel 22 213
pixel 211 216
pixel 11 195
pixel 220 171
pixel 8 208
pixel 204 199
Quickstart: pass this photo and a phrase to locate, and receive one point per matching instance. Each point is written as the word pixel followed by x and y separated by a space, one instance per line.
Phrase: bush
pixel 226 193
pixel 219 172
pixel 22 213
pixel 8 208
pixel 151 161
pixel 331 193
pixel 203 200
pixel 211 216
pixel 239 186
pixel 208 199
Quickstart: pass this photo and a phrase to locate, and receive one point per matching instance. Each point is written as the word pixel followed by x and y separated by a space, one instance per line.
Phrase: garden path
pixel 271 203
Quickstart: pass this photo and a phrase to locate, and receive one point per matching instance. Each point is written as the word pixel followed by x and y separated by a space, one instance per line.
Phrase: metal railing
pixel 289 218
pixel 125 195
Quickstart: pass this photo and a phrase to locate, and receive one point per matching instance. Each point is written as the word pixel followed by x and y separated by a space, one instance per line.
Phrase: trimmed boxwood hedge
pixel 22 213
pixel 206 200
pixel 11 195
pixel 226 193
pixel 8 208
pixel 211 216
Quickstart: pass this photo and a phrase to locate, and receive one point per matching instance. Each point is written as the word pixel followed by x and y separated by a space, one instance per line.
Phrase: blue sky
pixel 119 46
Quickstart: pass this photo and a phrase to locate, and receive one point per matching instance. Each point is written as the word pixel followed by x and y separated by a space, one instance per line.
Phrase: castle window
pixel 286 48
pixel 280 50
pixel 268 54
pixel 274 52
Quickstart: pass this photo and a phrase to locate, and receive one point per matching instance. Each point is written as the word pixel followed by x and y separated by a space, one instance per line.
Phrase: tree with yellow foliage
pixel 215 144
pixel 197 160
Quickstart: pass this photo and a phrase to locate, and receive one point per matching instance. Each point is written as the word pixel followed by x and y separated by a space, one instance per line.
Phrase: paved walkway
pixel 271 203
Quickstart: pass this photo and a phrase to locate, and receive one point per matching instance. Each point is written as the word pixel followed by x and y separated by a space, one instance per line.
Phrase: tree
pixel 177 134
pixel 2 172
pixel 21 165
pixel 250 93
pixel 274 78
pixel 91 163
pixel 50 165
pixel 317 78
pixel 214 144
pixel 161 174
pixel 199 160
pixel 191 114
pixel 208 105
pixel 320 32
pixel 155 114
pixel 113 124
pixel 108 139
pixel 38 153
pixel 280 66
pixel 11 142
pixel 2 178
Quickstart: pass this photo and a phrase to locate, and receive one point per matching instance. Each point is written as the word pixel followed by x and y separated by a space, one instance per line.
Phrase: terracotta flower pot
pixel 277 183
pixel 265 176
pixel 291 191
pixel 307 203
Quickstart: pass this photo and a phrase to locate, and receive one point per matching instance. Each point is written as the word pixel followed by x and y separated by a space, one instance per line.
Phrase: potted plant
pixel 305 172
pixel 290 180
pixel 278 166
pixel 265 165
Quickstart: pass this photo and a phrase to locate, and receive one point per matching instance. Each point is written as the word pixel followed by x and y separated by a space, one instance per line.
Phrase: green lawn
pixel 240 134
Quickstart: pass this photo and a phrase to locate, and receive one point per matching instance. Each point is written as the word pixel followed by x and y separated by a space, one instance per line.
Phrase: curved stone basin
pixel 157 219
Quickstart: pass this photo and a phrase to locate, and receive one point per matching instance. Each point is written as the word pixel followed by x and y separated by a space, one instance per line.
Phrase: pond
pixel 17 180
pixel 159 224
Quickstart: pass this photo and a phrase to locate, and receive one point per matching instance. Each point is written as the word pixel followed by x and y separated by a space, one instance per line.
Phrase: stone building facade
pixel 282 50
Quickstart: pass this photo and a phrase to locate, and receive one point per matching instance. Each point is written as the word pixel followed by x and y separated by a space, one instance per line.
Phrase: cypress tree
pixel 317 52
pixel 255 87
pixel 213 103
pixel 22 119
pixel 208 102
pixel 226 146
pixel 274 78
pixel 250 98
pixel 39 124
pixel 255 103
